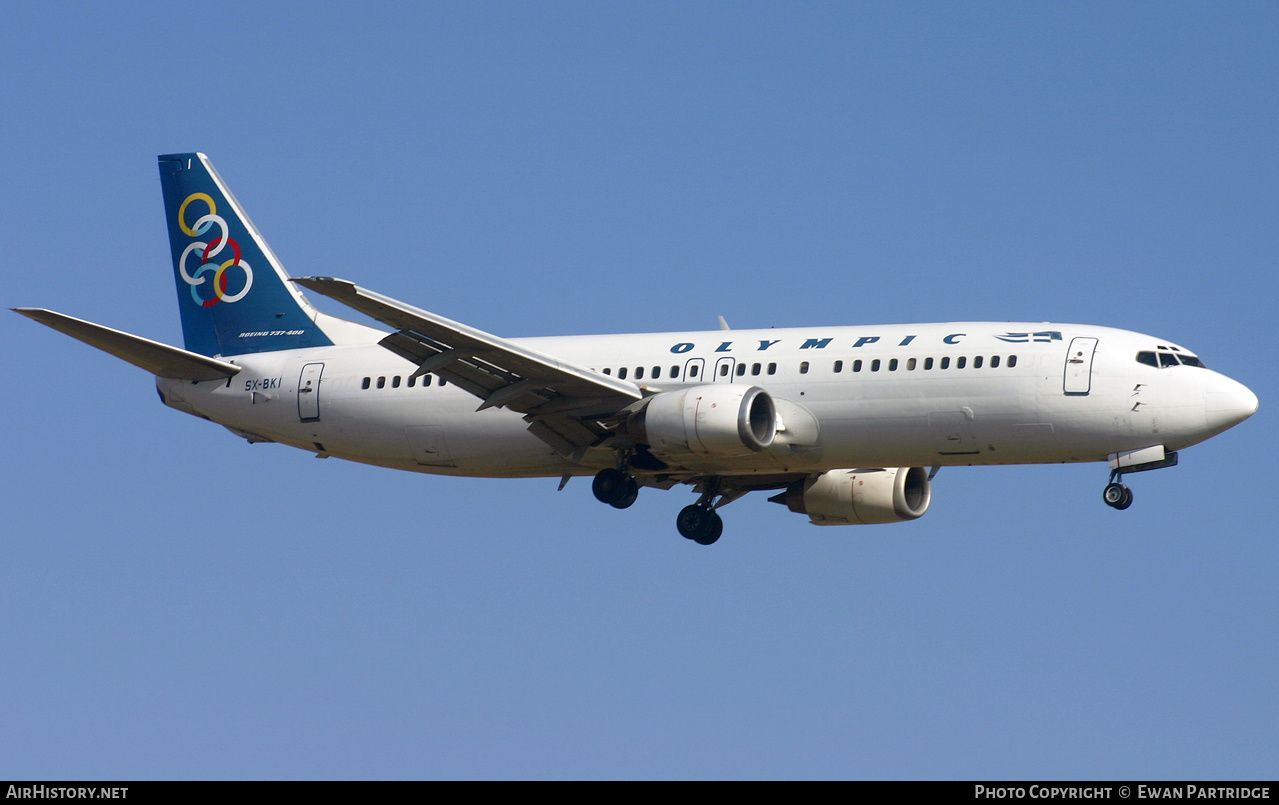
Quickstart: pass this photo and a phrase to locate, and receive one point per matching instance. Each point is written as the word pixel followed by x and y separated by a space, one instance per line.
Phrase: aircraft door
pixel 724 370
pixel 694 369
pixel 1078 380
pixel 309 392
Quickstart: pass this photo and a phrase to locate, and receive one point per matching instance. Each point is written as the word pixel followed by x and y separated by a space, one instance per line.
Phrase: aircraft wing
pixel 157 358
pixel 562 403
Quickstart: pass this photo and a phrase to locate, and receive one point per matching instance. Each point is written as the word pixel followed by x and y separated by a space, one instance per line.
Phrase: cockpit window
pixel 1163 360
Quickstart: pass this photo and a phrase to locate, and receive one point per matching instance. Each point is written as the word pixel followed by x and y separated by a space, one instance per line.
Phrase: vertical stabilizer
pixel 232 292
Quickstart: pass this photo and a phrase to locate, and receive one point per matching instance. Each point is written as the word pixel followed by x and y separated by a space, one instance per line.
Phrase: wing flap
pixel 153 356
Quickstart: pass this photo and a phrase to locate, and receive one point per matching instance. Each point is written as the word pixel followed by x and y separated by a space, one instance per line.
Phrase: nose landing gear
pixel 1117 495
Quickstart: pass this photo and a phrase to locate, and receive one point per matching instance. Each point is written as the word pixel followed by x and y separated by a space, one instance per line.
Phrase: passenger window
pixel 692 371
pixel 367 382
pixel 961 362
pixel 442 383
pixel 803 368
pixel 674 372
pixel 395 382
pixel 381 382
pixel 874 365
pixel 755 367
pixel 977 362
pixel 839 367
pixel 945 363
pixel 928 364
pixel 657 373
pixel 426 381
pixel 621 373
pixel 857 366
pixel 994 361
pixel 892 365
pixel 639 373
pixel 608 371
pixel 772 368
pixel 412 381
pixel 1012 361
pixel 910 364
pixel 741 369
pixel 723 370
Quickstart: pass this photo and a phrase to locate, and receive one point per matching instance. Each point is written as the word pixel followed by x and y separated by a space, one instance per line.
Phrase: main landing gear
pixel 698 522
pixel 615 488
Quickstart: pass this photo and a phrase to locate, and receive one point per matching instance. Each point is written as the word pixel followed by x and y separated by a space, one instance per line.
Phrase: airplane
pixel 846 425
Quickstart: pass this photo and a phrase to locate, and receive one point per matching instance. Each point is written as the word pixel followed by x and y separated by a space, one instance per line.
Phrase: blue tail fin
pixel 234 296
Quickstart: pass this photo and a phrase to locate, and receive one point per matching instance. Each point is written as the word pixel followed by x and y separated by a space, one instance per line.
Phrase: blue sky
pixel 176 603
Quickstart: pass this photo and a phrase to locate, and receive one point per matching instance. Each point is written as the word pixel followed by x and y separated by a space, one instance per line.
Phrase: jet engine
pixel 860 497
pixel 722 420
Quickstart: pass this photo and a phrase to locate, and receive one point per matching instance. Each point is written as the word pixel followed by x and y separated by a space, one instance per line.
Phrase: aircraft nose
pixel 1228 402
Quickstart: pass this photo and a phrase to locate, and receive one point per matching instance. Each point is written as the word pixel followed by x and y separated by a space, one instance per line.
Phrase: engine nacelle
pixel 860 497
pixel 722 420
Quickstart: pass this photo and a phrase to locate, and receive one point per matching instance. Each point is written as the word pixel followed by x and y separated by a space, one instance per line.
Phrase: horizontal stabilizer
pixel 158 359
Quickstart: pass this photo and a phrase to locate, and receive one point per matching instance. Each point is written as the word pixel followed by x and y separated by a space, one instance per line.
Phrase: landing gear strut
pixel 615 488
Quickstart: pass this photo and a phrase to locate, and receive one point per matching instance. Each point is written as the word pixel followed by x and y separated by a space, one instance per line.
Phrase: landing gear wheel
pixel 632 492
pixel 612 486
pixel 1117 496
pixel 700 524
pixel 717 528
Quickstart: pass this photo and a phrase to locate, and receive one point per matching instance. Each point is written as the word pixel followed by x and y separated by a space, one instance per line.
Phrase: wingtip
pixel 331 287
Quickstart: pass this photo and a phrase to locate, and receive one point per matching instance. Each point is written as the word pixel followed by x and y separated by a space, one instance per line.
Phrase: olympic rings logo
pixel 207 252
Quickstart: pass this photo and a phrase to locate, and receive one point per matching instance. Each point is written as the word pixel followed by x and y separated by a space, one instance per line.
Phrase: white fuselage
pixel 875 396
